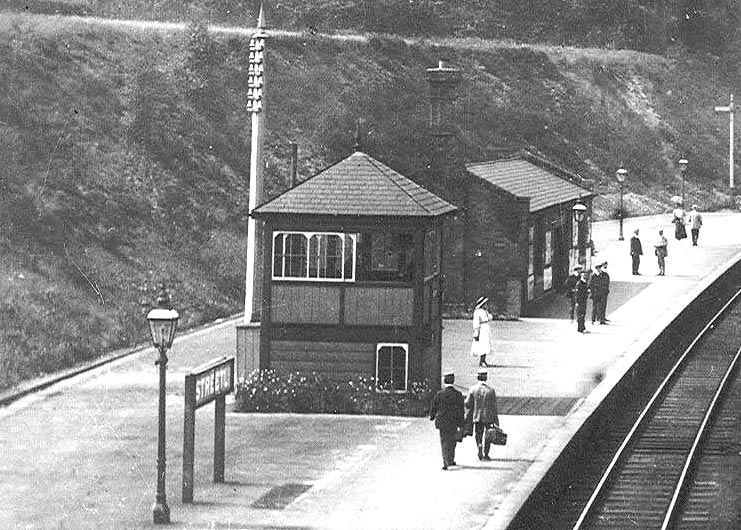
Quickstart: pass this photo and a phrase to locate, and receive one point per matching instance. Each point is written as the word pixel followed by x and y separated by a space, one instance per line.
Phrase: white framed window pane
pixel 325 256
pixel 314 241
pixel 295 256
pixel 278 253
pixel 331 257
pixel 385 358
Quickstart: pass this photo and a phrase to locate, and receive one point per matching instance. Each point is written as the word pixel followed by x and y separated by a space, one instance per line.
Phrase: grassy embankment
pixel 125 154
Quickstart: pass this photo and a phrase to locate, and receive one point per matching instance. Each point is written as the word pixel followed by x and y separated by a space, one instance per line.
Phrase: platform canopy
pixel 358 185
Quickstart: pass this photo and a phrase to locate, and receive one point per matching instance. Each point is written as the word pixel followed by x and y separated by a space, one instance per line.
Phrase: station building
pixel 351 283
pixel 518 237
pixel 515 237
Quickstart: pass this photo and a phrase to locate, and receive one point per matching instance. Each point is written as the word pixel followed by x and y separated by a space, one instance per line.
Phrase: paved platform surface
pixel 82 453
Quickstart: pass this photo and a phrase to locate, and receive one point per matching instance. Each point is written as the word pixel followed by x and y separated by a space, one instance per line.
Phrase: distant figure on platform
pixel 581 295
pixel 568 287
pixel 481 404
pixel 599 285
pixel 447 411
pixel 695 222
pixel 636 251
pixel 678 218
pixel 481 333
pixel 662 252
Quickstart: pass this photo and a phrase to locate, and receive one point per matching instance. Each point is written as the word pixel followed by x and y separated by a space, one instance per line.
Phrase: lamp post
pixel 163 321
pixel 579 212
pixel 729 110
pixel 620 174
pixel 682 169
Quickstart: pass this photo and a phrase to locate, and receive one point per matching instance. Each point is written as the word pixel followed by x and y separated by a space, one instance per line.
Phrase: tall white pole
pixel 255 175
pixel 729 110
pixel 255 92
pixel 730 145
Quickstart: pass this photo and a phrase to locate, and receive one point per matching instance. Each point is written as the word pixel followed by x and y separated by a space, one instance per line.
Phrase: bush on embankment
pixel 311 392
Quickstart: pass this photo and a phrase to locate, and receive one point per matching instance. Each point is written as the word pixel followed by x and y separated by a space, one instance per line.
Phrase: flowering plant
pixel 291 391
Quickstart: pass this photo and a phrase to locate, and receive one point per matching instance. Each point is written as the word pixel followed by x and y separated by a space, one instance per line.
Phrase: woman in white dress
pixel 481 333
pixel 678 218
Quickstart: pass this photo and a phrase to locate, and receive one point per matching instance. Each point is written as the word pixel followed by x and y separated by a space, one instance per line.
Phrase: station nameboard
pixel 211 381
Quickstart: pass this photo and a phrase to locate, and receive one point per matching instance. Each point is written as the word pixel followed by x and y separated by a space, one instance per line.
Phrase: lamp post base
pixel 161 513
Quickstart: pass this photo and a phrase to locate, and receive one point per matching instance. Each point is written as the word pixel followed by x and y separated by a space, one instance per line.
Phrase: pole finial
pixel 261 18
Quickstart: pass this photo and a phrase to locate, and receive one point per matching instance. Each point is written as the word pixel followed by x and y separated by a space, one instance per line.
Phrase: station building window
pixel 392 362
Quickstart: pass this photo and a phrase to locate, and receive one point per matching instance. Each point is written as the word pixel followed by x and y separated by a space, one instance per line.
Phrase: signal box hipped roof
pixel 358 185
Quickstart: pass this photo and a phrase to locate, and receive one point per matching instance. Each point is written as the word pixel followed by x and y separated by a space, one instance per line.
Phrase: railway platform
pixel 81 454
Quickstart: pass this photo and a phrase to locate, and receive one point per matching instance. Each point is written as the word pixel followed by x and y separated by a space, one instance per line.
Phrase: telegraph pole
pixel 255 98
pixel 729 110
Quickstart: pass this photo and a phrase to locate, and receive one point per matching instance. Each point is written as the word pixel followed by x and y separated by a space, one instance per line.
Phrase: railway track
pixel 664 473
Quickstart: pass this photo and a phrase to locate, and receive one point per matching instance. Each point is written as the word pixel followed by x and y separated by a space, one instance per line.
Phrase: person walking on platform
pixel 678 218
pixel 581 294
pixel 695 222
pixel 599 285
pixel 447 411
pixel 481 333
pixel 568 288
pixel 636 251
pixel 662 252
pixel 481 405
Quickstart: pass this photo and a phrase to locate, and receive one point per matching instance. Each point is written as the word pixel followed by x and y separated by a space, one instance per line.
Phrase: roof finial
pixel 356 145
pixel 261 18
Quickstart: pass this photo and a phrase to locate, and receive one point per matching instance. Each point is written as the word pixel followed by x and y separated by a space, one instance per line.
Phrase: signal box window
pixel 313 256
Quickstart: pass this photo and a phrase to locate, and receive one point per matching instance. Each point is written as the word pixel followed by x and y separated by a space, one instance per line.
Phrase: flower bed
pixel 284 391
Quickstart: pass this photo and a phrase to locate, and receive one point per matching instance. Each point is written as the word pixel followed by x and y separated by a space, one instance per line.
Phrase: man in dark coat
pixel 447 411
pixel 568 287
pixel 581 294
pixel 481 404
pixel 599 285
pixel 636 251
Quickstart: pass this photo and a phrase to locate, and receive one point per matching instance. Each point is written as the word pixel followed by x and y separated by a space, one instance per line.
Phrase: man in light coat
pixel 695 224
pixel 481 404
pixel 662 252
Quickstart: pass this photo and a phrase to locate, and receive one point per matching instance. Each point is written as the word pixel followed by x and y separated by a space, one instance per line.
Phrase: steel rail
pixel 670 513
pixel 620 453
